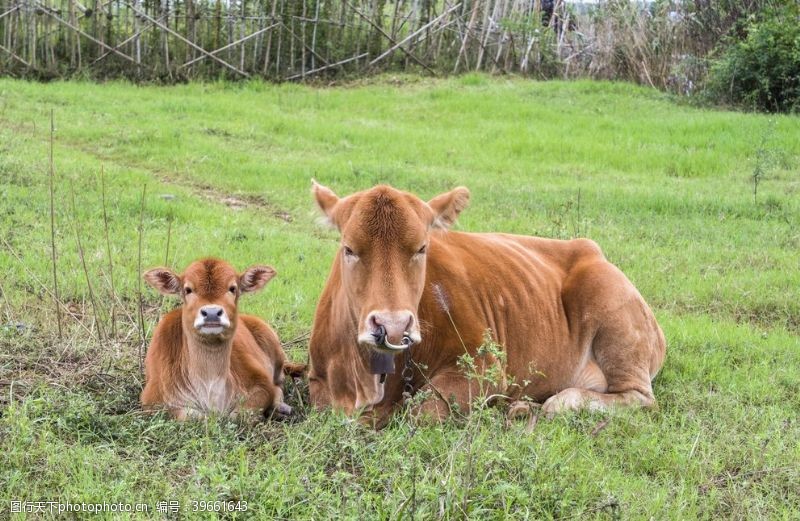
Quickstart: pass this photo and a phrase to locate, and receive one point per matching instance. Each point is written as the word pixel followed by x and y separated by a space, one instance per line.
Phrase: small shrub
pixel 762 71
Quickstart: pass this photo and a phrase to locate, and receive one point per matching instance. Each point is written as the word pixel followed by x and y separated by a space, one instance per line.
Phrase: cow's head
pixel 210 290
pixel 385 235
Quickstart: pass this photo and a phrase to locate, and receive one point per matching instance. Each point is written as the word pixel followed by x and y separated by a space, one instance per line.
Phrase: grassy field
pixel 666 190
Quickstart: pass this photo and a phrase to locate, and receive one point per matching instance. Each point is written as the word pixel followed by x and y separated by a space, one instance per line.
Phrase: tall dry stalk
pixel 139 282
pixel 95 309
pixel 45 288
pixel 6 306
pixel 169 234
pixel 112 309
pixel 56 299
pixel 166 253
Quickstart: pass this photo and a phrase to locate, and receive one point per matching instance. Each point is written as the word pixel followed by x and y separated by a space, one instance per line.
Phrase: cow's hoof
pixel 518 409
pixel 280 413
pixel 571 399
pixel 523 409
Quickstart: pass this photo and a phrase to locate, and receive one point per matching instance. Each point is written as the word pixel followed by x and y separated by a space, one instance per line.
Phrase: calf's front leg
pixel 267 399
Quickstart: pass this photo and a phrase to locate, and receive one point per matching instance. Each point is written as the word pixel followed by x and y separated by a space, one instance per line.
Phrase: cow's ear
pixel 447 206
pixel 336 210
pixel 255 278
pixel 166 281
pixel 326 199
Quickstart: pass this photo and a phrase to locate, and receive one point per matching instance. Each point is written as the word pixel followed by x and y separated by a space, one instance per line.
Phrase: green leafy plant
pixel 486 368
pixel 762 71
pixel 764 159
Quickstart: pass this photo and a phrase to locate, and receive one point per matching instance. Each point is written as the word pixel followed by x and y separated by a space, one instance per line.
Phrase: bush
pixel 762 71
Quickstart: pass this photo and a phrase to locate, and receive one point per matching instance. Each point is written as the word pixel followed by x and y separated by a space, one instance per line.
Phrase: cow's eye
pixel 422 250
pixel 187 290
pixel 232 289
pixel 348 251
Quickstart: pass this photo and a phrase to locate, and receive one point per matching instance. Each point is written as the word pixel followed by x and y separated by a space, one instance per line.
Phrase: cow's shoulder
pixel 167 338
pixel 584 250
pixel 163 358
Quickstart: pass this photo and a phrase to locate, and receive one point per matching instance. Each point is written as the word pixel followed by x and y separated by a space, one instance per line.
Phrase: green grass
pixel 665 189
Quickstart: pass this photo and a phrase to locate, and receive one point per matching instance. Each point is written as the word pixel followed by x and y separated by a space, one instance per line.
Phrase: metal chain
pixel 407 375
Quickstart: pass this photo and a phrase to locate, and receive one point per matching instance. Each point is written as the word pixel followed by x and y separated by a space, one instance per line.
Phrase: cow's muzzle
pixel 211 320
pixel 389 331
pixel 382 358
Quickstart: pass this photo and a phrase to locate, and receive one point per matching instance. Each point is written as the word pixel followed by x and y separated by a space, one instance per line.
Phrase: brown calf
pixel 575 331
pixel 204 356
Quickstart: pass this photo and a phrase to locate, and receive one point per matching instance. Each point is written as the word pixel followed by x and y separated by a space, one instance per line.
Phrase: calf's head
pixel 385 239
pixel 210 290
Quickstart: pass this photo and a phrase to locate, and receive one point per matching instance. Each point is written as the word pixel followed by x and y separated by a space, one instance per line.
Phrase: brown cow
pixel 575 332
pixel 204 356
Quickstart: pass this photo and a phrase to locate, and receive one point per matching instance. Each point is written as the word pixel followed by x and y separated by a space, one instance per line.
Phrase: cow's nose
pixel 390 326
pixel 212 313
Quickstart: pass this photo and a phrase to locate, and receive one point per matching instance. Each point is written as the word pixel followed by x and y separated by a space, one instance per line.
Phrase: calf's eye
pixel 187 290
pixel 348 251
pixel 232 289
pixel 422 250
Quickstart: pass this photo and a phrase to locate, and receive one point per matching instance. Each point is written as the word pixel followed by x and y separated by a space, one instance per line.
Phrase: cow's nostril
pixel 379 334
pixel 373 322
pixel 203 312
pixel 410 324
pixel 219 313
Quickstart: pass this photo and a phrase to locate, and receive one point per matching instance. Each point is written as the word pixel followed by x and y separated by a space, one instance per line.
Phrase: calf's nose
pixel 212 313
pixel 393 324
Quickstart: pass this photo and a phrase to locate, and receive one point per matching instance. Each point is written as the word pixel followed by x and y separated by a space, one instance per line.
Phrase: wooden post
pixel 31 22
pixel 257 45
pixel 137 42
pixel 242 33
pixel 484 34
pixel 470 27
pixel 314 37
pixel 77 38
pixel 34 39
pixel 303 36
pixel 269 40
pixel 165 37
pixel 190 28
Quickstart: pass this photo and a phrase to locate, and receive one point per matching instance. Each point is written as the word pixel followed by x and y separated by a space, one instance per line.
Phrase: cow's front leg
pixel 575 399
pixel 267 399
pixel 379 416
pixel 449 393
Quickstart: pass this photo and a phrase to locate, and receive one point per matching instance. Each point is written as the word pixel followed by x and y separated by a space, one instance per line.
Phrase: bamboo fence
pixel 176 40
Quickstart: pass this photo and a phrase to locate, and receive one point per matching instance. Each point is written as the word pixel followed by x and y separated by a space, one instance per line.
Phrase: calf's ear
pixel 166 281
pixel 255 278
pixel 447 206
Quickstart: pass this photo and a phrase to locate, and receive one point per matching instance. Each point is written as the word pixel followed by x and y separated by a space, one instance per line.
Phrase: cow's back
pixel 514 286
